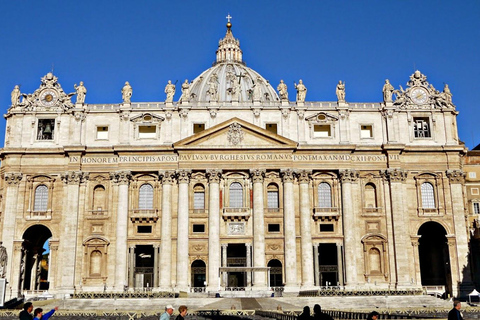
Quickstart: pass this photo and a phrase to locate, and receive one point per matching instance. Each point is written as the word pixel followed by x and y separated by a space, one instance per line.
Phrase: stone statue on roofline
pixel 185 97
pixel 81 92
pixel 340 91
pixel 387 91
pixel 301 91
pixel 127 92
pixel 15 95
pixel 170 91
pixel 282 90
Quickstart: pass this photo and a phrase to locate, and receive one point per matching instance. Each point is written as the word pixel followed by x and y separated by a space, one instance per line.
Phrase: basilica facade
pixel 235 186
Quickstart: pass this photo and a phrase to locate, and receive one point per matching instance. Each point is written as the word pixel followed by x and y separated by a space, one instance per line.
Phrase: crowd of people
pixel 26 313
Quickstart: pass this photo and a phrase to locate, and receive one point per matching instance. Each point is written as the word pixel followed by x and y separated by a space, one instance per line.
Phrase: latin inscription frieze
pixel 235 157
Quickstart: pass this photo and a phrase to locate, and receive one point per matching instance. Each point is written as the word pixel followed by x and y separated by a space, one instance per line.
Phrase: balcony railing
pixel 428 211
pixel 39 215
pixel 97 214
pixel 372 211
pixel 273 210
pixel 326 213
pixel 243 213
pixel 144 215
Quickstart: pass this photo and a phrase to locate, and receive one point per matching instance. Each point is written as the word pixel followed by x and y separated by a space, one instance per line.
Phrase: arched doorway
pixel 434 256
pixel 198 275
pixel 35 259
pixel 276 276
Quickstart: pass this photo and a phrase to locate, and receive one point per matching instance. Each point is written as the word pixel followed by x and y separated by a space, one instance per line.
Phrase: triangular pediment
pixel 235 134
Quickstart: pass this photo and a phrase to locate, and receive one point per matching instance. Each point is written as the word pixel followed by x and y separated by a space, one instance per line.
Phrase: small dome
pixel 231 81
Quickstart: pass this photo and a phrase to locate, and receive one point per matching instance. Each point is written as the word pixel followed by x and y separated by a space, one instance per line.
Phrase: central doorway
pixel 328 264
pixel 236 257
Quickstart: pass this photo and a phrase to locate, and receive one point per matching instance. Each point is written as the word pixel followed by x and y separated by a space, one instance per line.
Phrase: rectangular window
pixel 366 132
pixel 198 228
pixel 472 175
pixel 102 133
pixel 199 200
pixel 273 227
pixel 474 191
pixel 144 229
pixel 326 228
pixel 272 127
pixel 476 207
pixel 272 199
pixel 147 132
pixel 45 129
pixel 198 127
pixel 322 131
pixel 421 127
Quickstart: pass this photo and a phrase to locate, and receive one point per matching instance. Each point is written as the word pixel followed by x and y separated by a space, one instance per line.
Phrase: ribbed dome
pixel 230 79
pixel 234 82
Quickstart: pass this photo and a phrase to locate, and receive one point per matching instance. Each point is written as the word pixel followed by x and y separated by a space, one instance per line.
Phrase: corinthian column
pixel 401 238
pixel 214 229
pixel 121 179
pixel 68 242
pixel 183 177
pixel 457 179
pixel 305 230
pixel 289 229
pixel 12 181
pixel 168 179
pixel 259 279
pixel 349 234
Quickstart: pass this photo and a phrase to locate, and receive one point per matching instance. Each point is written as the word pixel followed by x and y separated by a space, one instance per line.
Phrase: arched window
pixel 370 195
pixel 41 198
pixel 145 197
pixel 99 198
pixel 272 196
pixel 95 263
pixel 198 197
pixel 236 195
pixel 375 261
pixel 428 197
pixel 324 195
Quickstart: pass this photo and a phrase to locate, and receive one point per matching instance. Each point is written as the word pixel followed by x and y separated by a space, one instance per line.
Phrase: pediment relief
pixel 98 178
pixel 374 238
pixel 236 134
pixel 426 175
pixel 322 117
pixel 92 241
pixel 147 118
pixel 40 178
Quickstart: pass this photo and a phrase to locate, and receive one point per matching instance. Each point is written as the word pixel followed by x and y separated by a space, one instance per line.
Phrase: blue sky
pixel 105 43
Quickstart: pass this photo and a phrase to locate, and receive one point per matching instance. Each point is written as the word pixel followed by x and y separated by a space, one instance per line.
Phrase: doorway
pixel 35 259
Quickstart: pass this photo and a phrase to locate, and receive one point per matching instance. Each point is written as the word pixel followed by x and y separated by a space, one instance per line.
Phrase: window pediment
pixel 322 117
pixel 147 118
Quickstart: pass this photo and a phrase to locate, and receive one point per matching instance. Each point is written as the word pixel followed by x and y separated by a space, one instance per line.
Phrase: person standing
pixel 183 313
pixel 305 315
pixel 455 313
pixel 38 314
pixel 168 312
pixel 319 315
pixel 373 315
pixel 26 313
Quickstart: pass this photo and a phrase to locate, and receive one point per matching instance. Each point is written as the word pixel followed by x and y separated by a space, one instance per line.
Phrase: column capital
pixel 257 175
pixel 121 177
pixel 214 175
pixel 396 175
pixel 168 177
pixel 288 175
pixel 74 177
pixel 348 175
pixel 183 175
pixel 456 176
pixel 415 240
pixel 304 176
pixel 13 178
pixel 224 246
